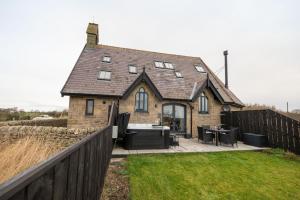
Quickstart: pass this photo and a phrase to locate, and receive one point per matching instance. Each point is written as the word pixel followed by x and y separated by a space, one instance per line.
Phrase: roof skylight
pixel 169 65
pixel 104 75
pixel 132 69
pixel 159 64
pixel 106 59
pixel 178 75
pixel 199 68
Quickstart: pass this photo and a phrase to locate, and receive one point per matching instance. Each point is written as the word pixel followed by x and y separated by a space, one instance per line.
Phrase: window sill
pixel 204 113
pixel 103 79
pixel 138 111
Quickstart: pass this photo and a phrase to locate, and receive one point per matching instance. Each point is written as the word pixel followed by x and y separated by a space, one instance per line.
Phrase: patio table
pixel 217 132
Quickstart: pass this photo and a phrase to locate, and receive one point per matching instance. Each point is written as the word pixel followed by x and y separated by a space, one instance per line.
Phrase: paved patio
pixel 187 146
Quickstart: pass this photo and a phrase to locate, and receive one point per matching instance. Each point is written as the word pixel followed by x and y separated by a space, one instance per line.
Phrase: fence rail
pixel 77 172
pixel 281 131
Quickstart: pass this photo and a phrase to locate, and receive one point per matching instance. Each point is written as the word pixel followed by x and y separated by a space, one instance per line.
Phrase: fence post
pixel 290 135
pixel 284 133
pixel 279 130
pixel 296 125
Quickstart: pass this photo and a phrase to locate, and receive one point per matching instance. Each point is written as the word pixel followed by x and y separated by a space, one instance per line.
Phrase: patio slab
pixel 186 146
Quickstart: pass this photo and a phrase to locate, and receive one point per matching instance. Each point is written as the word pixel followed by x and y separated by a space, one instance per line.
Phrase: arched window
pixel 203 103
pixel 141 101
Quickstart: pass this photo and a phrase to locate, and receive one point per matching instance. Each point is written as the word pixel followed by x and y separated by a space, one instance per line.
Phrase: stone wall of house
pixel 61 122
pixel 213 117
pixel 77 117
pixel 155 108
pixel 60 136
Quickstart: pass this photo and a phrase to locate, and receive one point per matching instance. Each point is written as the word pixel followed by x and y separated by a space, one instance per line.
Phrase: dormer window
pixel 178 75
pixel 199 68
pixel 169 65
pixel 106 59
pixel 132 69
pixel 104 75
pixel 159 64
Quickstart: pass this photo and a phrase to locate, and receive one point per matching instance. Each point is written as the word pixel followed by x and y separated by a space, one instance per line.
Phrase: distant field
pixel 8 114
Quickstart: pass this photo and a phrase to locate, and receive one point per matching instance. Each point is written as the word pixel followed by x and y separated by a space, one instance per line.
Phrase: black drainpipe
pixel 191 108
pixel 118 105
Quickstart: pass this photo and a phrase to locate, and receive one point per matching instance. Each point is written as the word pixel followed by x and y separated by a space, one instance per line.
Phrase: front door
pixel 174 116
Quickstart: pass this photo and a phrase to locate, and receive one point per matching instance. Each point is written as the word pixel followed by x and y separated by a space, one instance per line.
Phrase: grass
pixel 22 155
pixel 223 175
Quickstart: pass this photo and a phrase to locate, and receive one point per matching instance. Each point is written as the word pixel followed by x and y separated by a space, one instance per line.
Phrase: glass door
pixel 174 116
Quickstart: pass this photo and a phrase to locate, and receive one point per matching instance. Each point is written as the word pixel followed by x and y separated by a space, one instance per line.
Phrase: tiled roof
pixel 83 78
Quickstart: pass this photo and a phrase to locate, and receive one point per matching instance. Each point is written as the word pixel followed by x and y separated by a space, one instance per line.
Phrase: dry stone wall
pixel 60 136
pixel 61 122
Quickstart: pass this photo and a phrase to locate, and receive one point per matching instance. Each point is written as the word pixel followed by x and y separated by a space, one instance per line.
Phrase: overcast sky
pixel 40 42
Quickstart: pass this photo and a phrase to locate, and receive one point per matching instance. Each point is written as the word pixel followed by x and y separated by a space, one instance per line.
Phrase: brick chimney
pixel 92 35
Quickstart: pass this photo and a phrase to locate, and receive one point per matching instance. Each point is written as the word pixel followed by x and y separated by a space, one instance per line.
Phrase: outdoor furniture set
pixel 218 135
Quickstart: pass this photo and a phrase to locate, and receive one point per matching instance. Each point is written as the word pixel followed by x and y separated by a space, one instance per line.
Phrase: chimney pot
pixel 92 35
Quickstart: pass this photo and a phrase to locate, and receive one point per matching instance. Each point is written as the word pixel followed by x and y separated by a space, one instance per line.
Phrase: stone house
pixel 181 91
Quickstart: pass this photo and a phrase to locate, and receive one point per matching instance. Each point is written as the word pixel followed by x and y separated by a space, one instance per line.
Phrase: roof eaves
pixel 197 93
pixel 222 85
pixel 90 94
pixel 142 77
pixel 215 92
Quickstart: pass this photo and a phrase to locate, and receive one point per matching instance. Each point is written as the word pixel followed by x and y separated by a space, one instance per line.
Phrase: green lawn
pixel 226 175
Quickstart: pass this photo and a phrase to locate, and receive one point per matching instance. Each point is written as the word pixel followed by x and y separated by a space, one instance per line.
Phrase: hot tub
pixel 146 136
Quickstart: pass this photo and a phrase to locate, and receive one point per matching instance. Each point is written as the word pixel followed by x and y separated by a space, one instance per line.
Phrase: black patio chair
pixel 229 138
pixel 174 140
pixel 238 133
pixel 201 130
pixel 207 136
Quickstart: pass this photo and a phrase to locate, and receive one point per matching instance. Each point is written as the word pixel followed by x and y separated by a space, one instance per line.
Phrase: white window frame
pixel 169 65
pixel 159 64
pixel 178 75
pixel 199 68
pixel 106 59
pixel 104 75
pixel 132 69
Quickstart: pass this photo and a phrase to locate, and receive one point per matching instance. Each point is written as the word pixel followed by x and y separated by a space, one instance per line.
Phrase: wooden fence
pixel 75 173
pixel 281 131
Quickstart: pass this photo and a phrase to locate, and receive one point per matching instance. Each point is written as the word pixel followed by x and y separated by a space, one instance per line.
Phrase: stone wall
pixel 61 122
pixel 60 136
pixel 213 117
pixel 155 108
pixel 77 117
